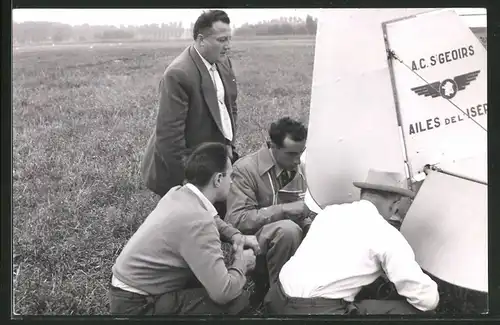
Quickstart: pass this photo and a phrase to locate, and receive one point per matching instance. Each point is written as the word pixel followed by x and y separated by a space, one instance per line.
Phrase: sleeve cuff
pixel 231 231
pixel 237 270
pixel 239 266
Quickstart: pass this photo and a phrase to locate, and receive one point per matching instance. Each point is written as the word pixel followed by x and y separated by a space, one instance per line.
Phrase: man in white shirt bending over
pixel 348 247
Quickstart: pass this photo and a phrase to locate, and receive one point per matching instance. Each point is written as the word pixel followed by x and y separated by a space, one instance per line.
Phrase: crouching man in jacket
pixel 266 200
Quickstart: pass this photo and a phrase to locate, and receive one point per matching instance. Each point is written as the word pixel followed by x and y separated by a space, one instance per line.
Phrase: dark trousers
pixel 194 301
pixel 278 303
pixel 278 242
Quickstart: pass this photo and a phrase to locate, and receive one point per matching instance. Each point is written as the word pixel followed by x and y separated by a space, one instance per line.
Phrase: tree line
pixel 50 32
pixel 281 26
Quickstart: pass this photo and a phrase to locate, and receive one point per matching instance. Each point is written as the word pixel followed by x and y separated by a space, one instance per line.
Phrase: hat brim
pixel 385 188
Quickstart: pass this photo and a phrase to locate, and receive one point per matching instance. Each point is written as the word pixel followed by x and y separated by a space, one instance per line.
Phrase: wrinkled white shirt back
pixel 349 246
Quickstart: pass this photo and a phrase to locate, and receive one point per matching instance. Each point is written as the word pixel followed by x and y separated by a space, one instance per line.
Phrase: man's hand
pixel 245 241
pixel 251 242
pixel 245 255
pixel 296 211
pixel 294 208
pixel 250 259
pixel 238 241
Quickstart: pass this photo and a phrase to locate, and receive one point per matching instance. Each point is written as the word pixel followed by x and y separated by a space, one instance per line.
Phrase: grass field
pixel 81 120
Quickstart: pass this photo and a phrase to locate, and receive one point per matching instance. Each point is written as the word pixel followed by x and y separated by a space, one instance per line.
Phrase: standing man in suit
pixel 174 263
pixel 197 104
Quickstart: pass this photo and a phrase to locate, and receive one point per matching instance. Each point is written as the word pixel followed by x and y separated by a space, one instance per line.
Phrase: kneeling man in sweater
pixel 174 263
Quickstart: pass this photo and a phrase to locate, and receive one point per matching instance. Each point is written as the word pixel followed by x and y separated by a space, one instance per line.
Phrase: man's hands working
pixel 245 242
pixel 239 242
pixel 296 211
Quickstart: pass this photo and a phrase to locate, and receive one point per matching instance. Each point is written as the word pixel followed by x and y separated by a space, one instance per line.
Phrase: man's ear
pixel 394 208
pixel 200 39
pixel 217 179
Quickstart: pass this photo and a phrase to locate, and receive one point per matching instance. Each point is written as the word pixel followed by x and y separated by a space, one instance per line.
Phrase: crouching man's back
pixel 348 247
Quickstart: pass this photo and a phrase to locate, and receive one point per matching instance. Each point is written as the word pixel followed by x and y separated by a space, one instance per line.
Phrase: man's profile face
pixel 226 181
pixel 288 157
pixel 215 45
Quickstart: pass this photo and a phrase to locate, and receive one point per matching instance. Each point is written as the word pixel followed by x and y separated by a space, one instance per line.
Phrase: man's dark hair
pixel 204 23
pixel 206 160
pixel 287 127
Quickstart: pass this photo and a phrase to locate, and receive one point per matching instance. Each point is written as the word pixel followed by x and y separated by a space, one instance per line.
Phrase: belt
pixel 348 306
pixel 149 300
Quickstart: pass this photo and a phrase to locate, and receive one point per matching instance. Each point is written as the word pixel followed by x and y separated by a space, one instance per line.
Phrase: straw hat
pixel 385 181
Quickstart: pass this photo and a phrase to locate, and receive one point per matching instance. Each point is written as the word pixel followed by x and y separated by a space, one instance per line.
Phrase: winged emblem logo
pixel 447 88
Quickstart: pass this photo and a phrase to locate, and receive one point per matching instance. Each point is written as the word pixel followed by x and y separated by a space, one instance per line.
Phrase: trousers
pixel 278 242
pixel 193 301
pixel 277 302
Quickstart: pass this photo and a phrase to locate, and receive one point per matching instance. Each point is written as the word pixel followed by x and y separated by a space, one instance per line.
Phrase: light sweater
pixel 178 240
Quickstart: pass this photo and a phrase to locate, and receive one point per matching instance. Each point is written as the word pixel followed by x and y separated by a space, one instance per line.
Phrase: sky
pixel 187 16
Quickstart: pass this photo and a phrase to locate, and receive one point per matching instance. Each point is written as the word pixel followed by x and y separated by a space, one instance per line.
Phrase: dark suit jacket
pixel 188 115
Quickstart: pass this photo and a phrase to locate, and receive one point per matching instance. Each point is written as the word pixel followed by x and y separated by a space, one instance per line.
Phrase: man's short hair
pixel 206 160
pixel 287 127
pixel 383 194
pixel 206 20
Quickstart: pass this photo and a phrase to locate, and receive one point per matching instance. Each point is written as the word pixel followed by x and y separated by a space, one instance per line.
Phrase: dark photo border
pixel 493 151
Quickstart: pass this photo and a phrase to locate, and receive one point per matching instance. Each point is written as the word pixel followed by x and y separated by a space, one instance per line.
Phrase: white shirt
pixel 349 246
pixel 203 199
pixel 227 128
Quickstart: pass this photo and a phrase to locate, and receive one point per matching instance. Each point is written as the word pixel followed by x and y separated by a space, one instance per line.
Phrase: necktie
pixel 224 115
pixel 285 177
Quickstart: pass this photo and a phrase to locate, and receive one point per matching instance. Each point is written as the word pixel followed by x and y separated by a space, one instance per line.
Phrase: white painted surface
pixel 447 227
pixel 352 123
pixel 459 147
pixel 353 127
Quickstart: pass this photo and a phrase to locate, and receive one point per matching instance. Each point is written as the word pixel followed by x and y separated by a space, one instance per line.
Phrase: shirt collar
pixel 207 64
pixel 266 161
pixel 277 167
pixel 365 205
pixel 370 206
pixel 208 205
